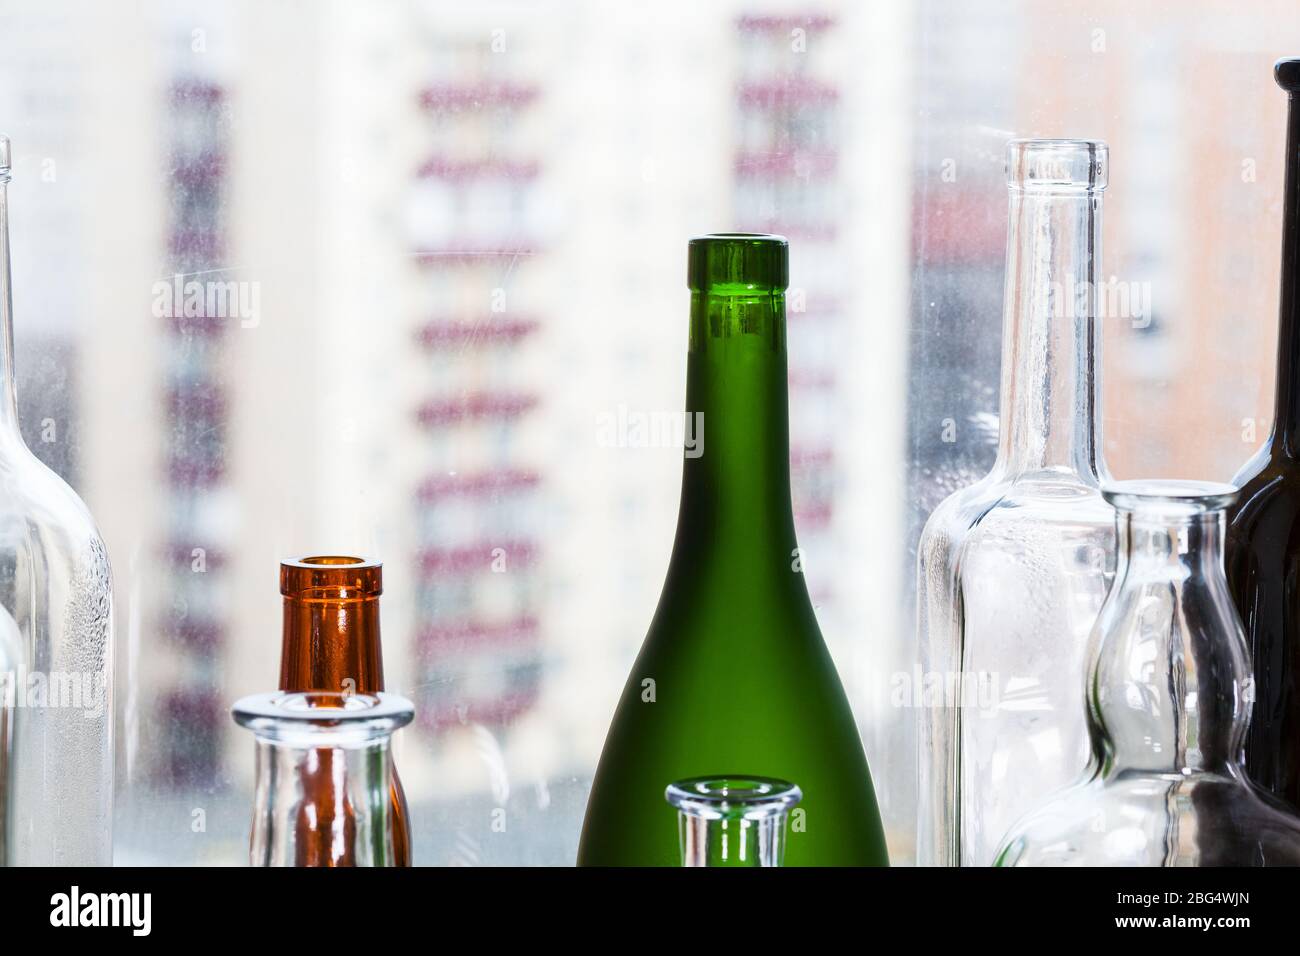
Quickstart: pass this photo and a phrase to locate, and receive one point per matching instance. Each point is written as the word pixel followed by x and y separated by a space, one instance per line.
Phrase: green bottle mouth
pixel 738 263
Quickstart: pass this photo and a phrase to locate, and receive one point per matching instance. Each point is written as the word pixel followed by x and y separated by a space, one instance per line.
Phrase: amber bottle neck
pixel 331 645
pixel 331 625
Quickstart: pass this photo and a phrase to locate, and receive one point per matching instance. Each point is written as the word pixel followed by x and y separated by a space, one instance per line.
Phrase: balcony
pixel 201 400
pixel 794 164
pixel 438 639
pixel 469 252
pixel 489 330
pixel 760 23
pixel 477 558
pixel 457 97
pixel 485 484
pixel 786 93
pixel 461 171
pixel 475 407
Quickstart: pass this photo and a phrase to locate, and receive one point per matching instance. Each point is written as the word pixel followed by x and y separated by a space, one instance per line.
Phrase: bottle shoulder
pixel 1260 467
pixel 35 493
pixel 1215 819
pixel 766 638
pixel 992 512
pixel 1268 499
pixel 41 515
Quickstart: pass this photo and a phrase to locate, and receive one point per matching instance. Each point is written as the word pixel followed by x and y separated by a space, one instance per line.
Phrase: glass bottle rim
pixel 1058 165
pixel 733 796
pixel 331 575
pixel 738 263
pixel 1174 497
pixel 322 718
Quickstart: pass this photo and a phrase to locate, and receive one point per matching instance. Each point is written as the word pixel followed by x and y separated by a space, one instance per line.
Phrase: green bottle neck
pixel 736 478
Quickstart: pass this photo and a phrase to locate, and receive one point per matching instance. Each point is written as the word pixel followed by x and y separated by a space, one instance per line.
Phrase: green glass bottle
pixel 733 675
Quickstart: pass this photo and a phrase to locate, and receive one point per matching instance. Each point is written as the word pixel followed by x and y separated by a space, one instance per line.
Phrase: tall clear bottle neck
pixel 1051 327
pixel 1169 692
pixel 8 390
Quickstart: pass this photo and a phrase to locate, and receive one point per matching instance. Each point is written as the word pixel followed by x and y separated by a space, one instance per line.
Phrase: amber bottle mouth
pixel 331 576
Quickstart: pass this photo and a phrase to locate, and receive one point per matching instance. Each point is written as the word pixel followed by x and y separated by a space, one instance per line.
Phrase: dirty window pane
pixel 435 247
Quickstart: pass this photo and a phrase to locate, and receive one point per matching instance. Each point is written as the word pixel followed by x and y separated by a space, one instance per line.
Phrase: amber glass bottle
pixel 331 643
pixel 1263 543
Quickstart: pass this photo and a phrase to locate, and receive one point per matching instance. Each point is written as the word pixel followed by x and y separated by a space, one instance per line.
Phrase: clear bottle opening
pixel 749 798
pixel 1173 498
pixel 322 718
pixel 1057 165
pixel 732 820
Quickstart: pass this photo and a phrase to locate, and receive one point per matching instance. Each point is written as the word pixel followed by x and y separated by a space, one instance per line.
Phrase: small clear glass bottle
pixel 322 792
pixel 732 821
pixel 1168 704
pixel 56 595
pixel 1013 569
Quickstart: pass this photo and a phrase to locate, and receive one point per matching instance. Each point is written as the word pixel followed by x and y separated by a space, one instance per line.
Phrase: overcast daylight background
pixel 460 229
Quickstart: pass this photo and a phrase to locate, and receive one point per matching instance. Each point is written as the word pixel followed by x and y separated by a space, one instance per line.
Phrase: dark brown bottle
pixel 1263 543
pixel 331 643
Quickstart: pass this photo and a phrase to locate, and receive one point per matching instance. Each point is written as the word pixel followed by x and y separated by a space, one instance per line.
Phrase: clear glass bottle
pixel 732 821
pixel 324 780
pixel 1013 569
pixel 56 595
pixel 10 657
pixel 1168 704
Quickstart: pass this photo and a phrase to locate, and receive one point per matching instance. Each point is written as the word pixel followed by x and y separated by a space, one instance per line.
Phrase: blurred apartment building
pixel 468 239
pixel 191 614
pixel 1195 124
pixel 785 182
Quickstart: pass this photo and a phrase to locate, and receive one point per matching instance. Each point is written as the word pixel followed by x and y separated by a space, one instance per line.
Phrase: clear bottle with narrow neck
pixel 331 645
pixel 56 607
pixel 732 820
pixel 324 780
pixel 1263 561
pixel 1167 706
pixel 1013 569
pixel 734 671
